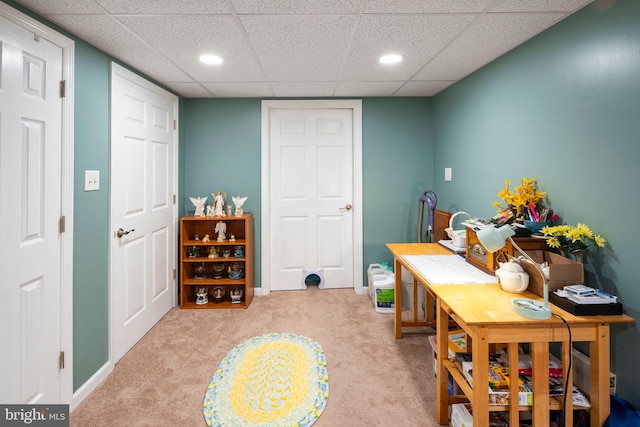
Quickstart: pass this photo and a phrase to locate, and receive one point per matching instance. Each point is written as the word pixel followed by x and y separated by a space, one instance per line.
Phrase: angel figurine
pixel 238 201
pixel 218 201
pixel 221 229
pixel 199 202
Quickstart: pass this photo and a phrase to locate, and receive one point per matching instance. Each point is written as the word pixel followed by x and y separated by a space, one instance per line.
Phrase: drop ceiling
pixel 305 48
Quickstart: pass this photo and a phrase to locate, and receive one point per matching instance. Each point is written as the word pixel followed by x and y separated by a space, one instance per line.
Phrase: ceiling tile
pixel 538 5
pixel 491 36
pixel 367 88
pixel 240 90
pixel 303 89
pixel 421 6
pixel 153 7
pixel 48 7
pixel 300 48
pixel 428 88
pixel 291 7
pixel 417 37
pixel 108 35
pixel 189 90
pixel 185 38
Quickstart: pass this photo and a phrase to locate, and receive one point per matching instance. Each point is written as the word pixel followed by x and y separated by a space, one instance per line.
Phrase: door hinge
pixel 61 360
pixel 174 125
pixel 63 88
pixel 62 224
pixel 174 199
pixel 174 274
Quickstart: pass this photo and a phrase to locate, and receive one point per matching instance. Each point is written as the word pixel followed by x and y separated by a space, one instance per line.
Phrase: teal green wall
pixel 397 163
pixel 565 108
pixel 222 153
pixel 91 219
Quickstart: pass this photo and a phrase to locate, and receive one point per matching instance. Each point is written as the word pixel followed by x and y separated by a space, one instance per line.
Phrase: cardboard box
pixel 562 271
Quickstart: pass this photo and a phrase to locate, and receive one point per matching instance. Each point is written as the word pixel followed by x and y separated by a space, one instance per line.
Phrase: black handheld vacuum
pixel 429 198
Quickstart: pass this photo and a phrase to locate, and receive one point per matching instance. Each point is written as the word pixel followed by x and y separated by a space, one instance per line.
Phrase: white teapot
pixel 512 277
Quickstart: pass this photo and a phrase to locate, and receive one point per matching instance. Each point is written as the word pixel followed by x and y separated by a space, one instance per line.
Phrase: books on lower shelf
pixel 462 416
pixel 498 374
pixel 525 363
pixel 498 379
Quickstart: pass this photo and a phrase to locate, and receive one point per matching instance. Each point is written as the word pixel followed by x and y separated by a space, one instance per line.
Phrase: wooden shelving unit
pixel 197 267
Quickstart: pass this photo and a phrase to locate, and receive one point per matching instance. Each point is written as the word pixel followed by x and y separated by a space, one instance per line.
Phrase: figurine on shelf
pixel 226 253
pixel 221 229
pixel 200 271
pixel 228 209
pixel 193 252
pixel 235 271
pixel 236 296
pixel 202 296
pixel 206 238
pixel 199 202
pixel 218 294
pixel 209 211
pixel 232 237
pixel 239 201
pixel 238 252
pixel 218 270
pixel 218 200
pixel 213 252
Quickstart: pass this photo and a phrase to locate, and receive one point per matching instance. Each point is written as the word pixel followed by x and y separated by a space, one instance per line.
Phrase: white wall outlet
pixel 447 174
pixel 91 180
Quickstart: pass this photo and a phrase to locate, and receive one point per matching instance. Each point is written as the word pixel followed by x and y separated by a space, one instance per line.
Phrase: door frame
pixel 265 205
pixel 66 189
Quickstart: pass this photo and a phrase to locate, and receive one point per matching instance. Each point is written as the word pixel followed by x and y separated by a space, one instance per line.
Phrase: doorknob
pixel 346 208
pixel 121 232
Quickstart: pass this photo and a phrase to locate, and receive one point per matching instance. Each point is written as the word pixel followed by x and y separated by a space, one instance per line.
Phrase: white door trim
pixel 66 194
pixel 267 106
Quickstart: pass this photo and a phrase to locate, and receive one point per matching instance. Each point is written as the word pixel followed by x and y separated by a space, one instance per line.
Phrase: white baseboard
pixel 259 292
pixel 91 384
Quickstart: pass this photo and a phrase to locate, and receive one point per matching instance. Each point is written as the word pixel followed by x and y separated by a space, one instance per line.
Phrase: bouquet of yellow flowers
pixel 524 195
pixel 579 237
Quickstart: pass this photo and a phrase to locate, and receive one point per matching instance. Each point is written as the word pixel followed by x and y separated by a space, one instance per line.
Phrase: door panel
pixel 312 179
pixel 142 205
pixel 30 196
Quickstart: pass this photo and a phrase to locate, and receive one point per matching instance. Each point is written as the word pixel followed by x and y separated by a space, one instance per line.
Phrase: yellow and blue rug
pixel 268 381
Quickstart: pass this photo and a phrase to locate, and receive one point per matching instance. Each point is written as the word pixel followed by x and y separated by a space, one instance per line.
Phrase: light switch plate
pixel 91 180
pixel 447 174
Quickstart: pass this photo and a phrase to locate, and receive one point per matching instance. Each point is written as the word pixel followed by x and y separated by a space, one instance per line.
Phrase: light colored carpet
pixel 375 380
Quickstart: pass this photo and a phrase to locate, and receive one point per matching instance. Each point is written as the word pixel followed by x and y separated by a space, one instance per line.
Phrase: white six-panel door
pixel 311 196
pixel 30 200
pixel 143 143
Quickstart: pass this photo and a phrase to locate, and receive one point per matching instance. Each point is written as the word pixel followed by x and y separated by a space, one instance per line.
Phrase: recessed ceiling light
pixel 211 59
pixel 391 59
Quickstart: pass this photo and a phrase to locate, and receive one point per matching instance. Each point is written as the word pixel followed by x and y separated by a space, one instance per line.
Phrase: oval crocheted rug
pixel 267 381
